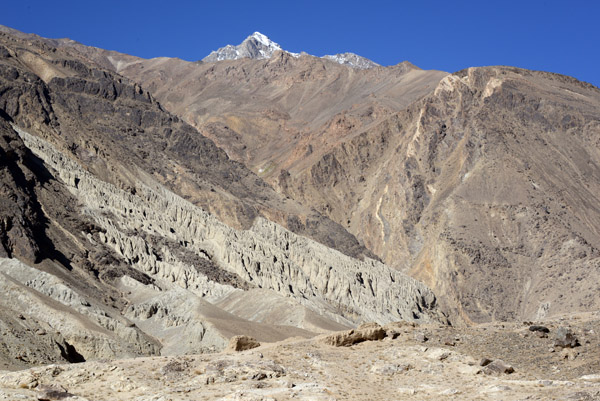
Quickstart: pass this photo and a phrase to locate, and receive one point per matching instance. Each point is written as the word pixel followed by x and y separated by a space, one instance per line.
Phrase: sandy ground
pixel 445 366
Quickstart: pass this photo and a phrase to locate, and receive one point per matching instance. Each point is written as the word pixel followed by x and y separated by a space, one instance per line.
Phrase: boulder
pixel 565 338
pixel 541 329
pixel 242 343
pixel 497 367
pixel 569 354
pixel 485 361
pixel 364 332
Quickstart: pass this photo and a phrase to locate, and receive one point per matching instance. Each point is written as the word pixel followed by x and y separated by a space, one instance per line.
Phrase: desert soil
pixel 447 365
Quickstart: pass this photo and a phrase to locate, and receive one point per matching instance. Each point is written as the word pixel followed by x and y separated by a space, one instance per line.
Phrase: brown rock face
pixel 61 95
pixel 485 189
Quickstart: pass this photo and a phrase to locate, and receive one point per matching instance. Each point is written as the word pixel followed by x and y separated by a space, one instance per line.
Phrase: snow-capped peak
pixel 264 40
pixel 256 46
pixel 259 46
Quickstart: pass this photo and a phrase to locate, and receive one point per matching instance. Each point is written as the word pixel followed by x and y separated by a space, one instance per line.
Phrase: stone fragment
pixel 394 329
pixel 174 366
pixel 495 389
pixel 498 366
pixel 390 369
pixel 569 354
pixel 536 328
pixel 565 338
pixel 469 370
pixel 591 378
pixel 53 392
pixel 485 361
pixel 439 354
pixel 242 343
pixel 421 337
pixel 450 391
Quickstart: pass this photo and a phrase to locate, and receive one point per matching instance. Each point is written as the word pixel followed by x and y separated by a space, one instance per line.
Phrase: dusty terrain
pixel 445 366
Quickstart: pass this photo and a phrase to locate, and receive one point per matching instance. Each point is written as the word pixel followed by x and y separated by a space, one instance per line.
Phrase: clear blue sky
pixel 557 36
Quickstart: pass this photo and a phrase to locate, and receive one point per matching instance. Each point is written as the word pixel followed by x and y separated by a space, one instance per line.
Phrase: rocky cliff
pixel 485 189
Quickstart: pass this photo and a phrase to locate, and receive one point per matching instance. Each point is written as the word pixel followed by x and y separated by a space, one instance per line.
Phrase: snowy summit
pixel 256 46
pixel 259 46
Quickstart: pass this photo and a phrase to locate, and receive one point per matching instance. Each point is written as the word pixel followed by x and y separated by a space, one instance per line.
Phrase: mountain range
pixel 446 177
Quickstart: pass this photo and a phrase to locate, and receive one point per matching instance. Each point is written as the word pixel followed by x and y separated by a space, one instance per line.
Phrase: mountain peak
pixel 262 39
pixel 255 46
pixel 259 46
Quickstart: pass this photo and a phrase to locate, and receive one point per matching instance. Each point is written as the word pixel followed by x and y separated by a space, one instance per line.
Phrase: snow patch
pixel 352 60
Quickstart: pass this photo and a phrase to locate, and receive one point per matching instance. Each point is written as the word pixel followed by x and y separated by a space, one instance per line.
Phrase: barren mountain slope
pixel 284 112
pixel 103 259
pixel 164 146
pixel 487 189
pixel 458 188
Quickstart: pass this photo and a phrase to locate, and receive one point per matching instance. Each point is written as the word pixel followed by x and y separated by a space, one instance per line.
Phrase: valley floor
pixel 427 362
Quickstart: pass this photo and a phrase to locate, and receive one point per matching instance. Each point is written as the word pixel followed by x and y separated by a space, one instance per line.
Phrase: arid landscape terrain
pixel 378 232
pixel 493 361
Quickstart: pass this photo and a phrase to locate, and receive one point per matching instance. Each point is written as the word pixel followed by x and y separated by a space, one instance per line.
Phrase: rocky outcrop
pixel 19 210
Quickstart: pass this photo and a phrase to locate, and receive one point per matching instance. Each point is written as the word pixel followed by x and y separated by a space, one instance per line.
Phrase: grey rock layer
pixel 267 255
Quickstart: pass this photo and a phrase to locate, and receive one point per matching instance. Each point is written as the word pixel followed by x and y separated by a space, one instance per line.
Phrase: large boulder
pixel 565 338
pixel 242 343
pixel 364 332
pixel 497 367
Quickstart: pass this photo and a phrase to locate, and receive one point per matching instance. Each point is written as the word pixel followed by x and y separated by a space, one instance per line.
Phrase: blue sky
pixel 557 36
